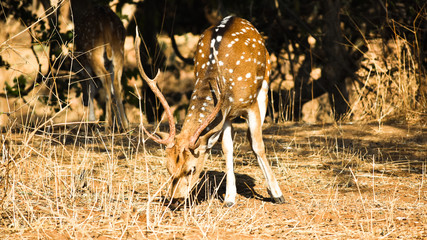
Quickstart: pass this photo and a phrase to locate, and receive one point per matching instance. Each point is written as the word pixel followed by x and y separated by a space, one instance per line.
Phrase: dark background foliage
pixel 341 30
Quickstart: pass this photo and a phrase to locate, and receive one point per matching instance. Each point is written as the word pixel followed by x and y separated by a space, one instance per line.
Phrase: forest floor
pixel 340 181
pixel 67 181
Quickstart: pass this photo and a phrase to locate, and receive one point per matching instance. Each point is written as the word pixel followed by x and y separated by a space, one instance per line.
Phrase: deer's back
pixel 238 50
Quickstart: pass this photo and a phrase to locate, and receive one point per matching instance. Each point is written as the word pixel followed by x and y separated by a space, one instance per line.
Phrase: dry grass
pixel 340 181
pixel 394 79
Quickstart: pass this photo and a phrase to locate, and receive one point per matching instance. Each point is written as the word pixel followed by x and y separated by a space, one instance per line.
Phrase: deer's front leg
pixel 227 148
pixel 255 137
pixel 91 91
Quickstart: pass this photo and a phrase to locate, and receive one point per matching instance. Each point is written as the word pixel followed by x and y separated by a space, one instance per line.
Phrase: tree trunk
pixel 337 61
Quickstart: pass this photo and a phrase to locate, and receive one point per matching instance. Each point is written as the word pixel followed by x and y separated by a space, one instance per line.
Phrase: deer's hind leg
pixel 97 64
pixel 255 117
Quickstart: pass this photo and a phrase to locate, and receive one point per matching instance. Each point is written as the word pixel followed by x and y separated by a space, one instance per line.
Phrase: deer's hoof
pixel 279 200
pixel 228 204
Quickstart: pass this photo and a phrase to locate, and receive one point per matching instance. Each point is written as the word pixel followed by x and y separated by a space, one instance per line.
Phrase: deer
pixel 99 43
pixel 232 69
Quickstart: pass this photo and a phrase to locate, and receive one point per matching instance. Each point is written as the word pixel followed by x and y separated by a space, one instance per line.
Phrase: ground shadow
pixel 212 185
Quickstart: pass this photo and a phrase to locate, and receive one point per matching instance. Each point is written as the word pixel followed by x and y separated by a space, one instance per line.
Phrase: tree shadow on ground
pixel 403 148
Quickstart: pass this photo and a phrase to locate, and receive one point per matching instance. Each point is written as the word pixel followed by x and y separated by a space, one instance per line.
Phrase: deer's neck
pixel 202 103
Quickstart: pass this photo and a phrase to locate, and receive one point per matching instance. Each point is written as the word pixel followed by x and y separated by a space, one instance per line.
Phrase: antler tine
pixel 211 117
pixel 152 84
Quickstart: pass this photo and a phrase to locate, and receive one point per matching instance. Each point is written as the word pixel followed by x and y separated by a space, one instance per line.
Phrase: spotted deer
pixel 99 44
pixel 232 69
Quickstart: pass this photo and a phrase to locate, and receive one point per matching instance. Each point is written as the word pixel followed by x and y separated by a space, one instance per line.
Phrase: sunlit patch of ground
pixel 340 181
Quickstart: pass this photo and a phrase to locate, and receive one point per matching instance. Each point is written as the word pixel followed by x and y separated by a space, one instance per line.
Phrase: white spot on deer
pixel 230 79
pixel 193 107
pixel 203 108
pixel 229 45
pixel 208 98
pixel 205 104
pixel 203 55
pixel 226 55
pixel 213 61
pixel 201 43
pixel 200 50
pixel 239 79
pixel 248 75
pixel 230 99
pixel 221 63
pixel 219 38
pixel 242 57
pixel 232 83
pixel 236 39
pixel 200 120
pixel 202 115
pixel 230 70
pixel 259 53
pixel 243 30
pixel 194 97
pixel 203 66
pixel 190 114
pixel 238 62
pixel 233 34
pixel 212 43
pixel 241 99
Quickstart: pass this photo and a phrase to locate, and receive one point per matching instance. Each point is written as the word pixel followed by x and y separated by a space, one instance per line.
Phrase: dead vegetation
pixel 340 181
pixel 360 178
